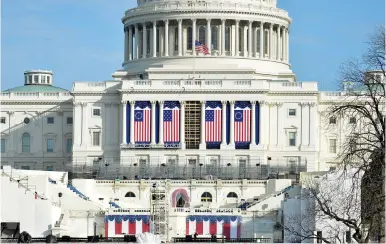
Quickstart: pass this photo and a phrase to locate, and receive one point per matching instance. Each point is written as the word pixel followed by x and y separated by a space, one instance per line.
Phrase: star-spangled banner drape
pixel 228 226
pixel 213 121
pixel 142 122
pixel 117 225
pixel 171 122
pixel 242 118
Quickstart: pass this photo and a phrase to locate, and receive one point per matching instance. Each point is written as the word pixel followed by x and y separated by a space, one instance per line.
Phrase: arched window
pixel 130 194
pixel 227 38
pixel 26 143
pixel 202 35
pixel 232 195
pixel 190 36
pixel 214 38
pixel 206 197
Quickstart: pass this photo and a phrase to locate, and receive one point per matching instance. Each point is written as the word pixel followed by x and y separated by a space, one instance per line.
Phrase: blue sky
pixel 82 40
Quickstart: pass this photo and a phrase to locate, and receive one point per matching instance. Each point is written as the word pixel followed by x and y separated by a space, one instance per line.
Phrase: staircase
pixel 265 197
pixel 22 181
pixel 77 192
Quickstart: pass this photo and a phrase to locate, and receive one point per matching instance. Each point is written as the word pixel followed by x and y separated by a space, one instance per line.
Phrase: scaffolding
pixel 159 211
pixel 192 124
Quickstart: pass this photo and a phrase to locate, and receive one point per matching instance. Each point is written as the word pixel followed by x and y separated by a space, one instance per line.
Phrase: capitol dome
pixel 198 36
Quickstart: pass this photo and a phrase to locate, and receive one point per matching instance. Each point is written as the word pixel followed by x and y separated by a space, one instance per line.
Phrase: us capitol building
pixel 206 91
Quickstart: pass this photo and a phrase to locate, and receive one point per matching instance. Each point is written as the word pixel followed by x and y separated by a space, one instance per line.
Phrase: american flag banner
pixel 213 121
pixel 171 122
pixel 118 225
pixel 242 124
pixel 228 226
pixel 201 48
pixel 142 122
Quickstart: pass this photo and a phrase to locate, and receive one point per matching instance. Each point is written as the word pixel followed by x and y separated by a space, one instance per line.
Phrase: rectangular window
pixel 353 120
pixel 43 79
pixel 69 145
pixel 96 112
pixel 69 120
pixel 3 145
pixel 48 80
pixel 36 78
pixel 50 120
pixel 50 145
pixel 332 145
pixel 96 138
pixel 49 168
pixel 3 120
pixel 25 167
pixel 292 138
pixel 291 112
pixel 332 120
pixel 30 79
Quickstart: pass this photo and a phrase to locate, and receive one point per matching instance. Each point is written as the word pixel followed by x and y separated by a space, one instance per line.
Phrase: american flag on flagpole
pixel 201 48
pixel 171 122
pixel 213 122
pixel 142 122
pixel 242 118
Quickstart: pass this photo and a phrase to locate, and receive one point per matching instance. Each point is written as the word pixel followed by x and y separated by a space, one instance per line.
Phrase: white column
pixel 76 116
pixel 270 42
pixel 85 116
pixel 130 43
pixel 305 123
pixel 180 37
pixel 250 39
pixel 153 122
pixel 166 38
pixel 161 41
pixel 144 40
pixel 126 56
pixel 155 39
pixel 161 122
pixel 224 124
pixel 223 21
pixel 136 30
pixel 124 118
pixel 237 38
pixel 263 116
pixel 253 124
pixel 313 124
pixel 282 43
pixel 287 44
pixel 232 124
pixel 182 125
pixel 278 43
pixel 132 104
pixel 202 140
pixel 262 40
pixel 255 51
pixel 208 36
pixel 194 37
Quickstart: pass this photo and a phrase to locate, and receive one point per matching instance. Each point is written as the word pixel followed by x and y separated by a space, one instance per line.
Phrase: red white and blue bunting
pixel 228 226
pixel 118 225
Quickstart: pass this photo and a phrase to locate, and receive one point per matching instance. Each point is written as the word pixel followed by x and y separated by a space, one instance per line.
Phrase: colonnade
pixel 256 129
pixel 176 37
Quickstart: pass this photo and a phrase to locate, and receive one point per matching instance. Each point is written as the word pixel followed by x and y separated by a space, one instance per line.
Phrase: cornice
pixel 297 93
pixel 96 93
pixel 213 13
pixel 192 91
pixel 31 102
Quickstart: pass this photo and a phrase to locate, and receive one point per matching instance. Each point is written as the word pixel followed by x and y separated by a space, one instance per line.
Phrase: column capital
pixel 203 102
pixel 161 102
pixel 132 102
pixel 153 102
pixel 262 23
pixel 208 20
pixel 166 21
pixel 271 26
pixel 182 103
pixel 224 102
pixel 83 104
pixel 253 102
pixel 144 24
pixel 303 104
pixel 10 113
pixel 194 20
pixel 250 22
pixel 123 102
pixel 263 103
pixel 223 20
pixel 237 21
pixel 232 102
pixel 154 22
pixel 179 21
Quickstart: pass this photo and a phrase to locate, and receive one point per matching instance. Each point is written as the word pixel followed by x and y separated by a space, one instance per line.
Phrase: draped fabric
pixel 213 122
pixel 142 122
pixel 228 226
pixel 171 122
pixel 118 225
pixel 242 123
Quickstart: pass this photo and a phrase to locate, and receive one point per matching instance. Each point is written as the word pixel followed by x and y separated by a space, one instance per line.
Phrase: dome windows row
pixel 38 77
pixel 178 38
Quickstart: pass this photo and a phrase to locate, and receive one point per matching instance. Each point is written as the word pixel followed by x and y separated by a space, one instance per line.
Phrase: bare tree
pixel 354 199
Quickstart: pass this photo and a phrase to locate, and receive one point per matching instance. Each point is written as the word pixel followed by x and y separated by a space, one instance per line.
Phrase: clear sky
pixel 82 40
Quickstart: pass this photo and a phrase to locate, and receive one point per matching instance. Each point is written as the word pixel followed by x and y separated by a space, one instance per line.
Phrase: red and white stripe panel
pixel 126 225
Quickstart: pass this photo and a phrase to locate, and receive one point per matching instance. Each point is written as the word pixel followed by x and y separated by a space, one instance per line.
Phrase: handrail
pixel 22 185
